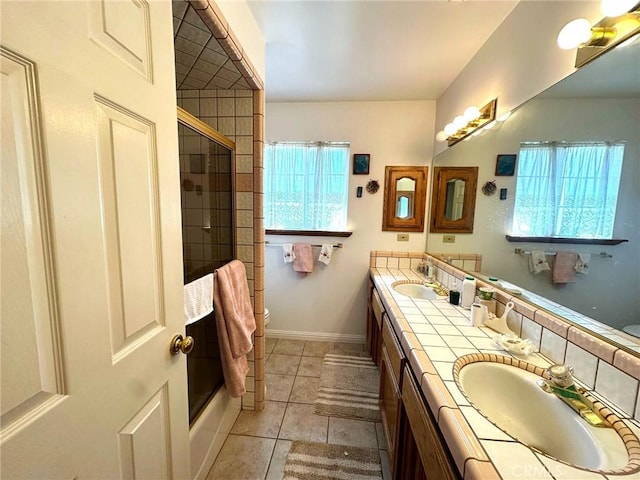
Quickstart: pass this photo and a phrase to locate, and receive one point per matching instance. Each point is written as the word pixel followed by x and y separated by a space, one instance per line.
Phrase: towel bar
pixel 335 245
pixel 520 251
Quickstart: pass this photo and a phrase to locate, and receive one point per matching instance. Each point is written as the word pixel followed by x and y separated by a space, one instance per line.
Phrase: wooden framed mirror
pixel 453 200
pixel 405 196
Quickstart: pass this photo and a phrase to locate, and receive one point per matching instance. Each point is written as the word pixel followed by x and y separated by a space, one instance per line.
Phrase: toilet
pixel 267 317
pixel 632 330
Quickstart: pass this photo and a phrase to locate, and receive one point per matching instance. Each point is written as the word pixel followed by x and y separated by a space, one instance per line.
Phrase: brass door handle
pixel 181 344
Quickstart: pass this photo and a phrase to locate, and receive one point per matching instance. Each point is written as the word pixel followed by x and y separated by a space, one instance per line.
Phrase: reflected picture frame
pixel 361 163
pixel 506 165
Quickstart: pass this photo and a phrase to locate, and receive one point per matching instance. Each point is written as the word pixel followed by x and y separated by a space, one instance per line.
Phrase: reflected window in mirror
pixel 453 199
pixel 567 189
pixel 405 194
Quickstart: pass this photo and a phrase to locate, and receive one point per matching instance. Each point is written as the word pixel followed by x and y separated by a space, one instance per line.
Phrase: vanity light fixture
pixel 472 120
pixel 622 21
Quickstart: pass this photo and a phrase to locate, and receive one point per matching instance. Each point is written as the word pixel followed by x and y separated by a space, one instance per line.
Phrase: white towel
pixel 325 253
pixel 582 264
pixel 198 299
pixel 538 262
pixel 287 253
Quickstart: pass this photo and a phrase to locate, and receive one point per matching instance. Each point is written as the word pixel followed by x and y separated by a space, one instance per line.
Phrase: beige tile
pixel 278 460
pixel 618 387
pixel 289 347
pixel 584 364
pixel 278 387
pixel 316 349
pixel 349 347
pixel 382 440
pixel 269 343
pixel 514 460
pixel 243 457
pixel 305 390
pixel 261 424
pixel 282 364
pixel 356 433
pixel 310 367
pixel 300 423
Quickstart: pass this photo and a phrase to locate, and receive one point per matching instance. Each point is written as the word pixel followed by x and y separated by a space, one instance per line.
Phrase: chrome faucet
pixel 559 381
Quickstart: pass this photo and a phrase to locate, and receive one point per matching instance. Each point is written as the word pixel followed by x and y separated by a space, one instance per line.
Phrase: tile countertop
pixel 433 335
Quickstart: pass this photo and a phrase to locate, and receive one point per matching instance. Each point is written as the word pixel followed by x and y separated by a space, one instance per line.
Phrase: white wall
pixel 616 281
pixel 243 24
pixel 520 60
pixel 332 299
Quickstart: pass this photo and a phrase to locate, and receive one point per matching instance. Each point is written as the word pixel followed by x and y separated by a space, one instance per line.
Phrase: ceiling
pixel 345 50
pixel 370 50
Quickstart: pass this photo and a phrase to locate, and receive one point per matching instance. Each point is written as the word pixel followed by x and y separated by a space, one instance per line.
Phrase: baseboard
pixel 317 336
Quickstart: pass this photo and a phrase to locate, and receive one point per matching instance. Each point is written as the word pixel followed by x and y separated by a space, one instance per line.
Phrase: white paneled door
pixel 90 253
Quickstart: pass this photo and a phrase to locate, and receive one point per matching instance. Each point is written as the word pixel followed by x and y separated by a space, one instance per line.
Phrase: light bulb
pixel 449 129
pixel 459 122
pixel 614 8
pixel 471 113
pixel 441 136
pixel 574 33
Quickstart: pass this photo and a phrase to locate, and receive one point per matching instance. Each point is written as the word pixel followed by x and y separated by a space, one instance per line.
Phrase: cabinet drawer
pixel 396 357
pixel 376 305
pixel 431 450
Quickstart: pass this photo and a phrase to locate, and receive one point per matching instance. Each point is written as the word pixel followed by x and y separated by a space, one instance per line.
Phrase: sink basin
pixel 508 396
pixel 416 290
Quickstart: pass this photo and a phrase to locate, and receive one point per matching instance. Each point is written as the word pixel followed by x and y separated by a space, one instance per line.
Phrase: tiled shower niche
pixel 207 203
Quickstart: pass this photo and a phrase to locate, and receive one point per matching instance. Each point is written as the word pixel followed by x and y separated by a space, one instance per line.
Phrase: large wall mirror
pixel 599 102
pixel 405 194
pixel 453 200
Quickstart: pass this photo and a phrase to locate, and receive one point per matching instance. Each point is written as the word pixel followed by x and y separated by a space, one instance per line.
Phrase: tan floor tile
pixel 289 347
pixel 316 349
pixel 282 364
pixel 382 440
pixel 305 390
pixel 349 347
pixel 278 460
pixel 278 387
pixel 386 466
pixel 300 423
pixel 356 433
pixel 269 343
pixel 243 457
pixel 261 424
pixel 310 367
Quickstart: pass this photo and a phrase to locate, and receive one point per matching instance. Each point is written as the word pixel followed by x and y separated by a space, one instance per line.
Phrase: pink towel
pixel 563 271
pixel 303 262
pixel 235 324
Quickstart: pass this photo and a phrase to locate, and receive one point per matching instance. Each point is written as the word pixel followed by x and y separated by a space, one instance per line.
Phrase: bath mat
pixel 315 461
pixel 349 385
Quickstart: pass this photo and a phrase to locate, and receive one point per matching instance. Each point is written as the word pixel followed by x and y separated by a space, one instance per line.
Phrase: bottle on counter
pixel 468 292
pixel 428 271
pixel 494 281
pixel 454 294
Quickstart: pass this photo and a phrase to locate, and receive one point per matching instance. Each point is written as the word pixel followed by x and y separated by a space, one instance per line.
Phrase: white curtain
pixel 567 189
pixel 306 186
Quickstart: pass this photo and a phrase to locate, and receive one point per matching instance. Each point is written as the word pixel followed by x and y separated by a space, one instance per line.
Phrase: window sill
pixel 309 233
pixel 577 241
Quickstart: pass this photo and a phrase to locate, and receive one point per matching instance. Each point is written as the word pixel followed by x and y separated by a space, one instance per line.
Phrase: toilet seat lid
pixel 632 330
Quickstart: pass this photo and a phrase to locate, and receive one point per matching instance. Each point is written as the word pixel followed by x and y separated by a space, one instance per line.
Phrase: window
pixel 567 189
pixel 306 186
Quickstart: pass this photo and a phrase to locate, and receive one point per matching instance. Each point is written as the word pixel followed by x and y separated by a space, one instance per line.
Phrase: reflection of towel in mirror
pixel 303 259
pixel 325 253
pixel 582 264
pixel 538 262
pixel 563 264
pixel 287 253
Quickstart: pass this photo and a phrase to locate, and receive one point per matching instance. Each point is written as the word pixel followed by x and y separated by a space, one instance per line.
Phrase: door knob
pixel 181 344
